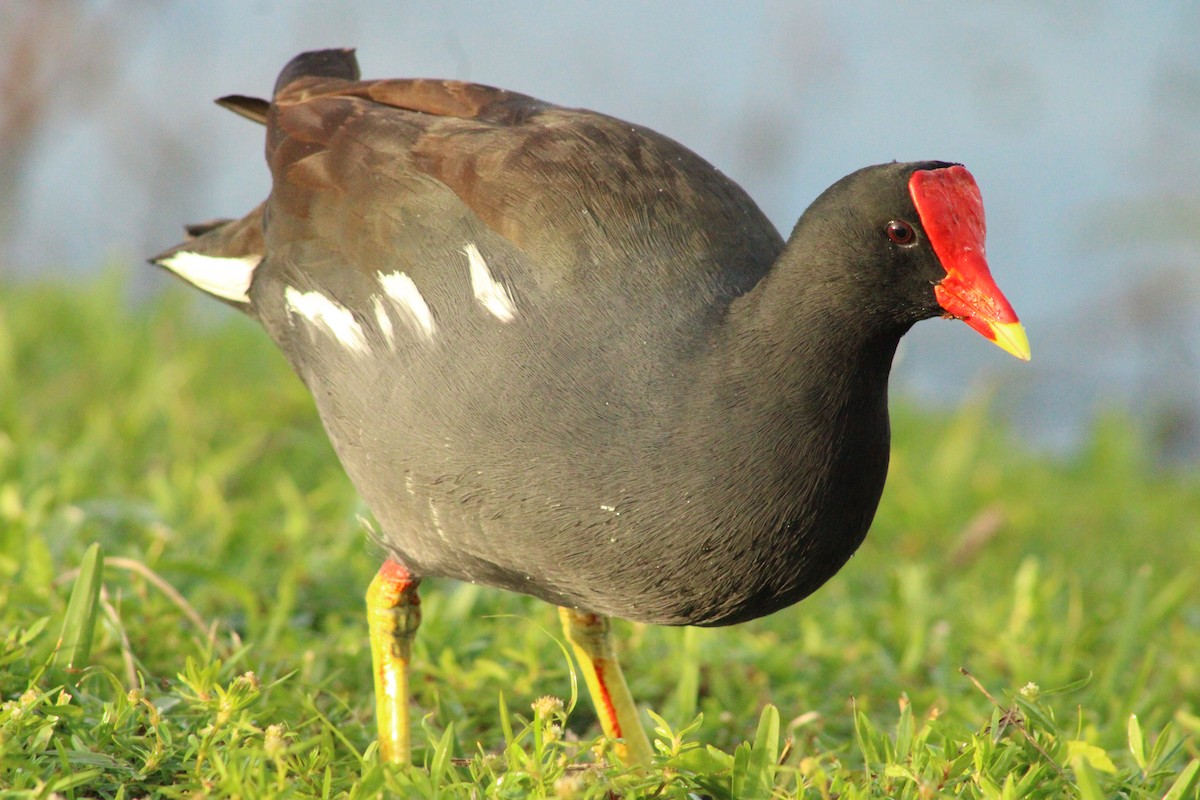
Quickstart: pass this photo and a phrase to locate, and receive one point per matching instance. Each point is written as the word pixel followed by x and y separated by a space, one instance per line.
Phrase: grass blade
pixel 1184 782
pixel 1137 743
pixel 1086 781
pixel 83 609
pixel 754 767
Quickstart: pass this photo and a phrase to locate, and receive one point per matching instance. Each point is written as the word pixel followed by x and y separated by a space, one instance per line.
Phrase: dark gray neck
pixel 801 390
pixel 809 344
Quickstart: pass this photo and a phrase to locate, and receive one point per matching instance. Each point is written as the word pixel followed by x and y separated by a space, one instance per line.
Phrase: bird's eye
pixel 901 232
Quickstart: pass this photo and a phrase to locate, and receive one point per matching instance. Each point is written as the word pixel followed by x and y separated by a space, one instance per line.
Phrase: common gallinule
pixel 563 355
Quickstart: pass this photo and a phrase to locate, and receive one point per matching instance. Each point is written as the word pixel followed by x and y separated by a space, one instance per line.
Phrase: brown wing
pixel 575 190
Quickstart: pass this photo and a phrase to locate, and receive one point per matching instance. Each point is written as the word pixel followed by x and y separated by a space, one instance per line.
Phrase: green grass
pixel 217 647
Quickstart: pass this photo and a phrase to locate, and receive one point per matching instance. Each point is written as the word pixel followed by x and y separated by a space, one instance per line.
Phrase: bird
pixel 561 354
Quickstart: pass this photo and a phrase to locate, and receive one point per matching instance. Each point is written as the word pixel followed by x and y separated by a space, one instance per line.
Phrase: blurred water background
pixel 1080 120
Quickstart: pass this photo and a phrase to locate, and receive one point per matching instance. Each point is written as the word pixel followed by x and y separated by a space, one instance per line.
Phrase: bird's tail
pixel 219 257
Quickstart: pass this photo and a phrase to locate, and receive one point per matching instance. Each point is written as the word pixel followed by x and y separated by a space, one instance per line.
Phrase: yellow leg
pixel 393 615
pixel 589 637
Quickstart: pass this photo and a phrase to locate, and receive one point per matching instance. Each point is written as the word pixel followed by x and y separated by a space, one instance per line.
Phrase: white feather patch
pixel 320 310
pixel 400 288
pixel 384 319
pixel 227 278
pixel 490 292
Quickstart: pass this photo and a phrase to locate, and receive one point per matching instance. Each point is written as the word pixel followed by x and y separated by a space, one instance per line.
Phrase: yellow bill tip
pixel 1010 337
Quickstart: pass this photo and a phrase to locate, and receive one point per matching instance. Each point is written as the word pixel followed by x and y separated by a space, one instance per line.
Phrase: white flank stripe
pixel 490 293
pixel 320 310
pixel 384 320
pixel 401 288
pixel 228 278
